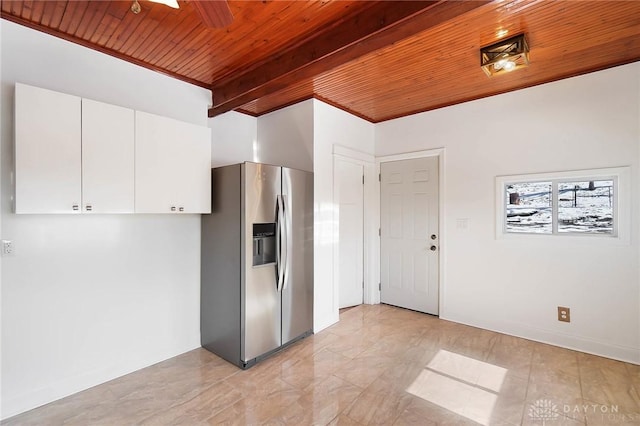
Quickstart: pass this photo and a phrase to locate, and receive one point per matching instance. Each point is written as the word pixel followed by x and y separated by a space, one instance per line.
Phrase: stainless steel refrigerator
pixel 257 261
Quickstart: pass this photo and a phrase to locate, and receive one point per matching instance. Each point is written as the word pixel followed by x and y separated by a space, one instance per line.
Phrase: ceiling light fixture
pixel 505 55
pixel 135 7
pixel 171 3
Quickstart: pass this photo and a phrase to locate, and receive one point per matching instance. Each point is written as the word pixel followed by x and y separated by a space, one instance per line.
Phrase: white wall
pixel 285 137
pixel 332 127
pixel 515 285
pixel 89 298
pixel 234 139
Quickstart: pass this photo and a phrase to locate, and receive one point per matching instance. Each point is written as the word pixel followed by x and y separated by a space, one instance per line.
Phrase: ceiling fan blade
pixel 214 13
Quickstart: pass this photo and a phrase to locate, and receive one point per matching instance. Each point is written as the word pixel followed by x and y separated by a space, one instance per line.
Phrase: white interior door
pixel 350 195
pixel 409 243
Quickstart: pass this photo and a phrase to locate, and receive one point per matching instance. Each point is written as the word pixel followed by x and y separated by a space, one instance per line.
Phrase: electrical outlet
pixel 7 248
pixel 564 314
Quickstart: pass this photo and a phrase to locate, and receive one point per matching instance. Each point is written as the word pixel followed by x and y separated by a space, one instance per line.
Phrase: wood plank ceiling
pixel 377 60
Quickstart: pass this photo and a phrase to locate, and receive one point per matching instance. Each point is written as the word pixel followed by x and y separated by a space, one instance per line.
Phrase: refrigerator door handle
pixel 281 260
pixel 287 244
pixel 284 244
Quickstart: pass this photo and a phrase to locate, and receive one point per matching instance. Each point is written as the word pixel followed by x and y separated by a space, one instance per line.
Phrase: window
pixel 577 203
pixel 586 206
pixel 529 207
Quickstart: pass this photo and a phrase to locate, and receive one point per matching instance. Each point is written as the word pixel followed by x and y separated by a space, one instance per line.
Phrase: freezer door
pixel 297 294
pixel 261 313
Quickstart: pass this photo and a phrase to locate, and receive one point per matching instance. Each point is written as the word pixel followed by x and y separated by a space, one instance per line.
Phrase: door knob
pixel 433 236
pixel 433 248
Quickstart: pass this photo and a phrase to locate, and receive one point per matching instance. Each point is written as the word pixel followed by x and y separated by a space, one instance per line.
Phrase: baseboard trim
pixel 62 389
pixel 591 346
pixel 318 326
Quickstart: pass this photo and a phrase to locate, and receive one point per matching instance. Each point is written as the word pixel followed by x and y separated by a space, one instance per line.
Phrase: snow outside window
pixel 529 207
pixel 577 203
pixel 586 206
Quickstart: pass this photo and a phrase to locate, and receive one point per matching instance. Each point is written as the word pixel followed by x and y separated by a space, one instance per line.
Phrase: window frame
pixel 620 204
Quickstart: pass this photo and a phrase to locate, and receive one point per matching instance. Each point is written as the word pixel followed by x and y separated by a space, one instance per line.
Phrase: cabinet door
pixel 47 151
pixel 107 158
pixel 193 168
pixel 173 166
pixel 154 181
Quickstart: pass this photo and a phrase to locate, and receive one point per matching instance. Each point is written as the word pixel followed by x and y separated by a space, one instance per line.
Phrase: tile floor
pixel 378 365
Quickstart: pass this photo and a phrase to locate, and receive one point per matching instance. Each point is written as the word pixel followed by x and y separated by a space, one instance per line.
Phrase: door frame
pixel 436 152
pixel 370 218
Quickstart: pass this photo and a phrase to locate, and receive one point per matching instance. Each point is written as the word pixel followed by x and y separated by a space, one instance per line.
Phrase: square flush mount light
pixel 505 55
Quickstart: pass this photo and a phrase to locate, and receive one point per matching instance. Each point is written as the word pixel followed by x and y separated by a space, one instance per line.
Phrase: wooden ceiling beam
pixel 380 25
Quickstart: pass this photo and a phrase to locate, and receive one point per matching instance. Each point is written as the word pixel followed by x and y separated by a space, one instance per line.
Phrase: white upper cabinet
pixel 47 151
pixel 193 166
pixel 76 155
pixel 107 158
pixel 173 166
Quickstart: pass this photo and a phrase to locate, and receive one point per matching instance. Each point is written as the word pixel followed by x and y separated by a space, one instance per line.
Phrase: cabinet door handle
pixel 173 208
pixel 89 207
pixel 181 209
pixel 75 207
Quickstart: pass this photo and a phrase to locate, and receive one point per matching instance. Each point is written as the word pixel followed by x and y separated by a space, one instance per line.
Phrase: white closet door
pixel 107 158
pixel 47 151
pixel 350 194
